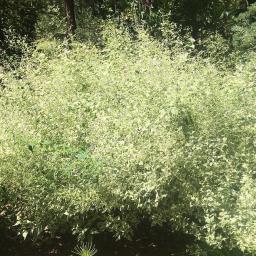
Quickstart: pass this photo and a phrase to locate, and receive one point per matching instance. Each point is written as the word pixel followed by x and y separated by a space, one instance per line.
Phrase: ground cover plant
pixel 101 139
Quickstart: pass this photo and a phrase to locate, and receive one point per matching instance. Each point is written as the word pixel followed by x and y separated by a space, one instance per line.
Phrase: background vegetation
pixel 142 112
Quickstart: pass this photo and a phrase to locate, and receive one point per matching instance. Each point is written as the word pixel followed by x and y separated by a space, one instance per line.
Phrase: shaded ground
pixel 165 245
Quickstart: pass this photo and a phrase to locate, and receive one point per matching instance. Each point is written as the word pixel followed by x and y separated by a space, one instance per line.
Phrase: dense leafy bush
pixel 100 139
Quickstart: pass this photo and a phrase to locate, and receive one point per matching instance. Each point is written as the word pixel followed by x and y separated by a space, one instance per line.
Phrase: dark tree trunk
pixel 243 5
pixel 70 16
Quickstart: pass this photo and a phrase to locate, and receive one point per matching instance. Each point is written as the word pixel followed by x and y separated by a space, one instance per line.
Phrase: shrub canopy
pixel 100 139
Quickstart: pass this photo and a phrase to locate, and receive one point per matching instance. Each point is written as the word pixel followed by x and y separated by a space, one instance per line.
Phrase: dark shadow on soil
pixel 147 242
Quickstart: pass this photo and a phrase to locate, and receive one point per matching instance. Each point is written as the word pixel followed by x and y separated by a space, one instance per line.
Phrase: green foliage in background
pixel 20 16
pixel 17 27
pixel 33 18
pixel 244 30
pixel 25 21
pixel 51 23
pixel 99 139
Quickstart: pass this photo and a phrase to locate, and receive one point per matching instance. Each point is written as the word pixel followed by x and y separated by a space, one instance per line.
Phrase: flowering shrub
pixel 100 139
